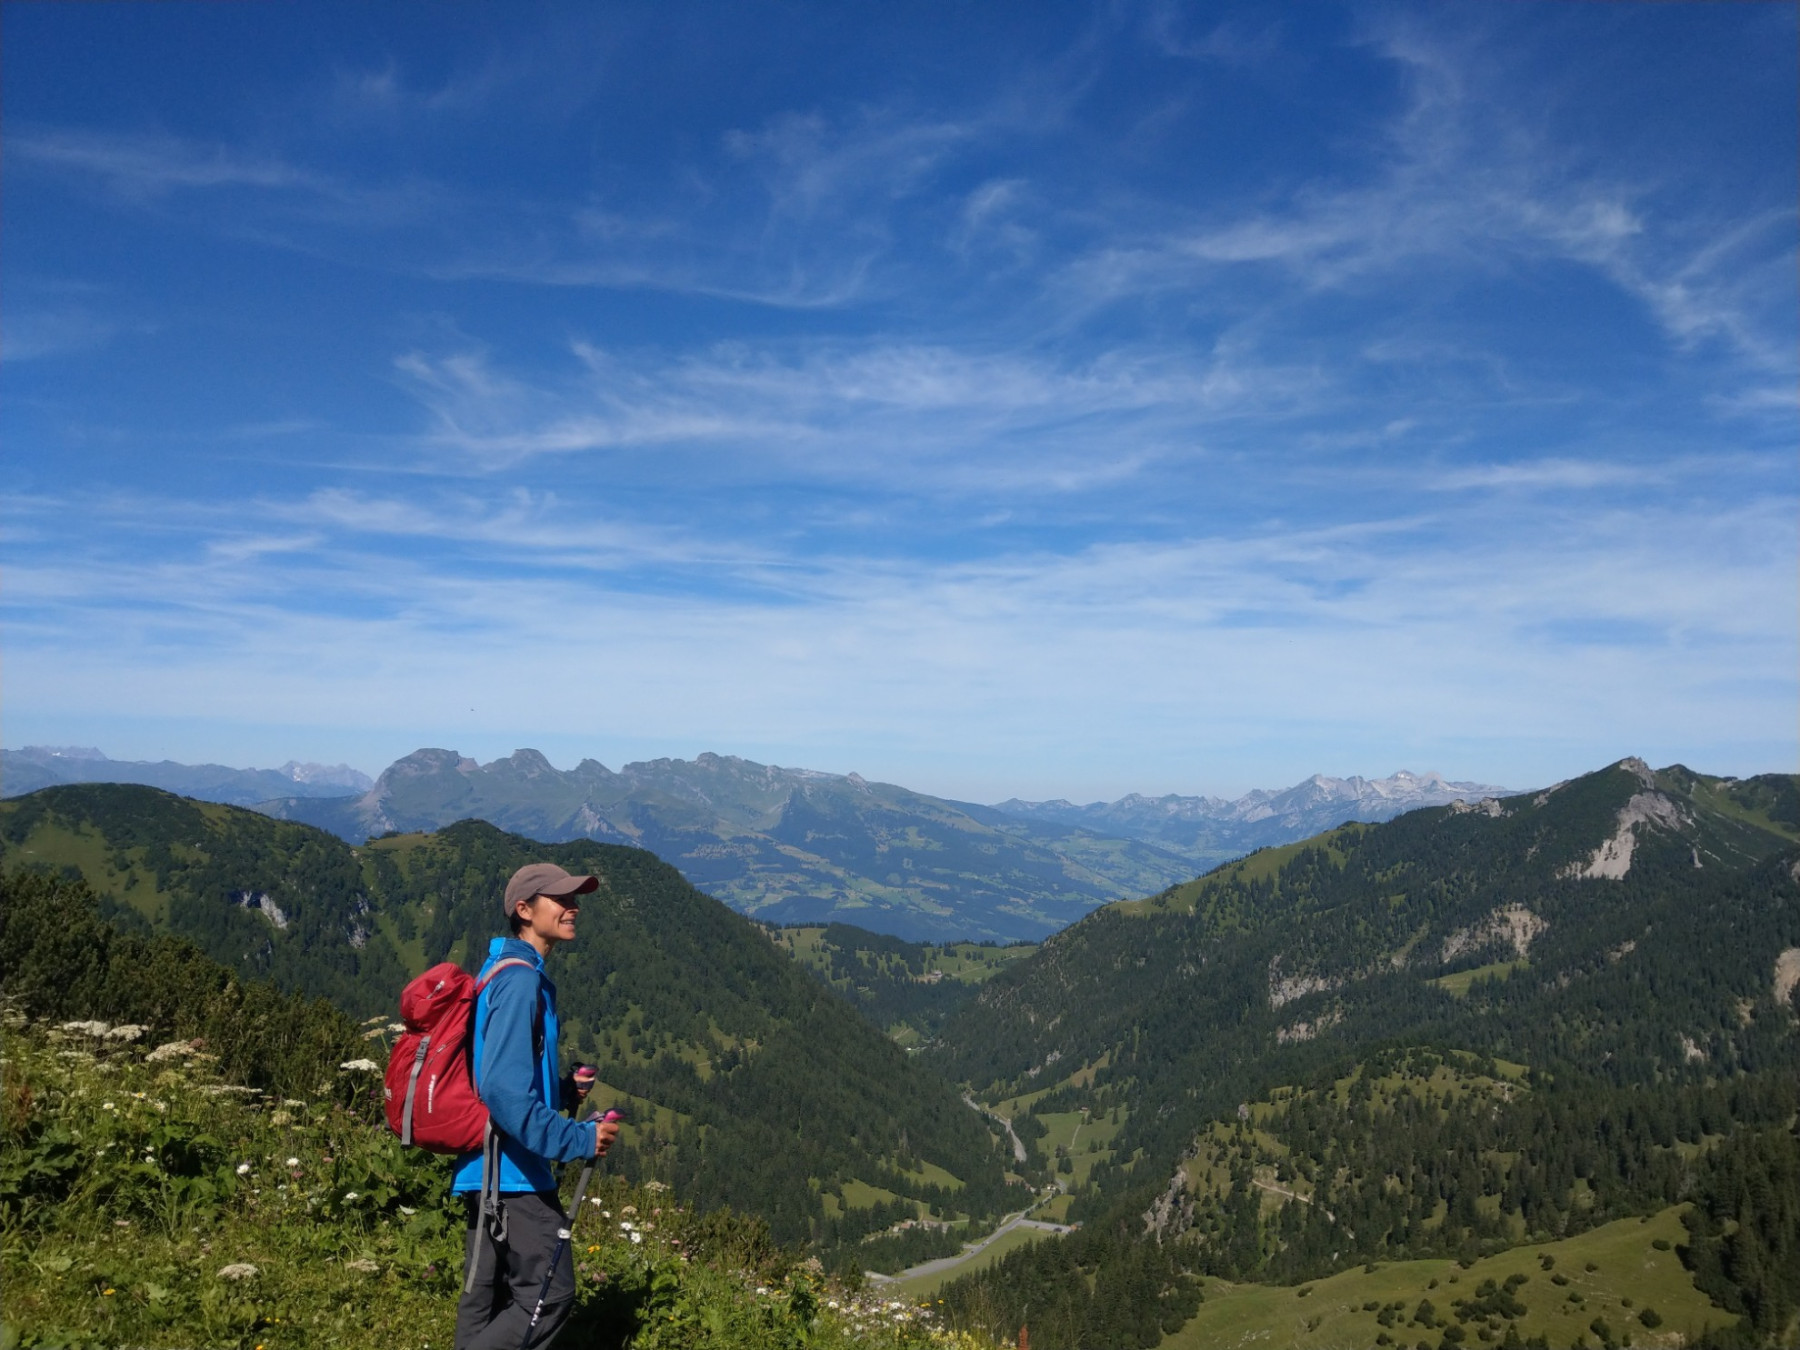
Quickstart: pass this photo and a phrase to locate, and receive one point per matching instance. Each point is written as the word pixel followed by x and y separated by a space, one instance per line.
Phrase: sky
pixel 1003 400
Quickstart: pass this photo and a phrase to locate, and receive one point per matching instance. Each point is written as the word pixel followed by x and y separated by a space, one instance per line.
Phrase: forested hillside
pixel 906 988
pixel 1611 963
pixel 187 1159
pixel 1564 1023
pixel 754 1086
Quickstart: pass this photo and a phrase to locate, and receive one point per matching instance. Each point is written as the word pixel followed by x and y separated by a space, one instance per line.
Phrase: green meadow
pixel 1625 1275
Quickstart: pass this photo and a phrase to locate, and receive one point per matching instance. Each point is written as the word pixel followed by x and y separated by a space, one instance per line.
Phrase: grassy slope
pixel 648 961
pixel 1262 865
pixel 925 1287
pixel 1331 1315
pixel 122 1201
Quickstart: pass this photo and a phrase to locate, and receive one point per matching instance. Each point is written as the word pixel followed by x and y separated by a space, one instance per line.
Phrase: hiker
pixel 510 1185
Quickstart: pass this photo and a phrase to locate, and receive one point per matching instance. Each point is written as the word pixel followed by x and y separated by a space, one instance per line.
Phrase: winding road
pixel 1022 1219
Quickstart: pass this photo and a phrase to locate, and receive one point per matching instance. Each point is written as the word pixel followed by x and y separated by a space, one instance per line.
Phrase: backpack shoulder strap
pixel 499 966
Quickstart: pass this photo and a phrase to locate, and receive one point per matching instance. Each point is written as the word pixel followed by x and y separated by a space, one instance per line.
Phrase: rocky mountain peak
pixel 422 764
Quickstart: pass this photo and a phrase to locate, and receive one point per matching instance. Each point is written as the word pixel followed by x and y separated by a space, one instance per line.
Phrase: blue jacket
pixel 521 1088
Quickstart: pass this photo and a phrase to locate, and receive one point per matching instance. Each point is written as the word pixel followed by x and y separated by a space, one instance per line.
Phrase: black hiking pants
pixel 494 1314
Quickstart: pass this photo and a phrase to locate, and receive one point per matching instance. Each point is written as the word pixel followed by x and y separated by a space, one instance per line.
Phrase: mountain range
pixel 1444 1046
pixel 1212 829
pixel 41 766
pixel 798 845
pixel 1448 1035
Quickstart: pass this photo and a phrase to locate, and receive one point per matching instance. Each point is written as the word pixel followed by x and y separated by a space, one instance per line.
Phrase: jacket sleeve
pixel 507 1077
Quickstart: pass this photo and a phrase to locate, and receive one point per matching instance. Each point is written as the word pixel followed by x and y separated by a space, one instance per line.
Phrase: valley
pixel 1347 1090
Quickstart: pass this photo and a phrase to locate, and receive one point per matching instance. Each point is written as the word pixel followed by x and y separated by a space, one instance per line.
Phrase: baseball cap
pixel 544 879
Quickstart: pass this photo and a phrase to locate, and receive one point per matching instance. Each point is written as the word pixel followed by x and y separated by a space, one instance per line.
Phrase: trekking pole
pixel 564 1233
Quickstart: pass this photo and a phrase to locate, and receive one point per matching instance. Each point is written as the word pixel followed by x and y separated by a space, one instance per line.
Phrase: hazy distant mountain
pixel 40 766
pixel 782 844
pixel 1211 829
pixel 791 845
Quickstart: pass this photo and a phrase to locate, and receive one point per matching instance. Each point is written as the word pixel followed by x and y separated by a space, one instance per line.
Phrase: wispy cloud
pixel 1520 631
pixel 1472 186
pixel 855 410
pixel 1185 382
pixel 160 170
pixel 29 333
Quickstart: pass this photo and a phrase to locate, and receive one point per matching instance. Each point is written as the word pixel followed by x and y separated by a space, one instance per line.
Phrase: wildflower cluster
pixel 145 1202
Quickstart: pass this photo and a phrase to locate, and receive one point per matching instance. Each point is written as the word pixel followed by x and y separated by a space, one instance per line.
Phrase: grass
pixel 932 1175
pixel 926 1286
pixel 1331 1315
pixel 1459 983
pixel 1262 865
pixel 1074 1131
pixel 861 1195
pixel 88 850
pixel 1713 795
pixel 145 1203
pixel 973 963
pixel 964 962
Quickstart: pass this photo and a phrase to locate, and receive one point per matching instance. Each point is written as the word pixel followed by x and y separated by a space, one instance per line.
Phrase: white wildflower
pixel 126 1031
pixel 396 1027
pixel 281 1118
pixel 244 1169
pixel 359 1065
pixel 108 1106
pixel 637 1237
pixel 349 1195
pixel 170 1050
pixel 239 1270
pixel 364 1264
pixel 85 1028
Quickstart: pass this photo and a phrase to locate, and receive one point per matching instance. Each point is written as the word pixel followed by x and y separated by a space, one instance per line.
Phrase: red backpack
pixel 430 1089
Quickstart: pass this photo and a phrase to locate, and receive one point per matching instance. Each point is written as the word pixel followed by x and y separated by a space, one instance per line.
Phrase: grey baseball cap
pixel 544 879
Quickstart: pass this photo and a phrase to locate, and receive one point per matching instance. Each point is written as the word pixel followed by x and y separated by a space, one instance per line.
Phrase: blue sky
pixel 1000 399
